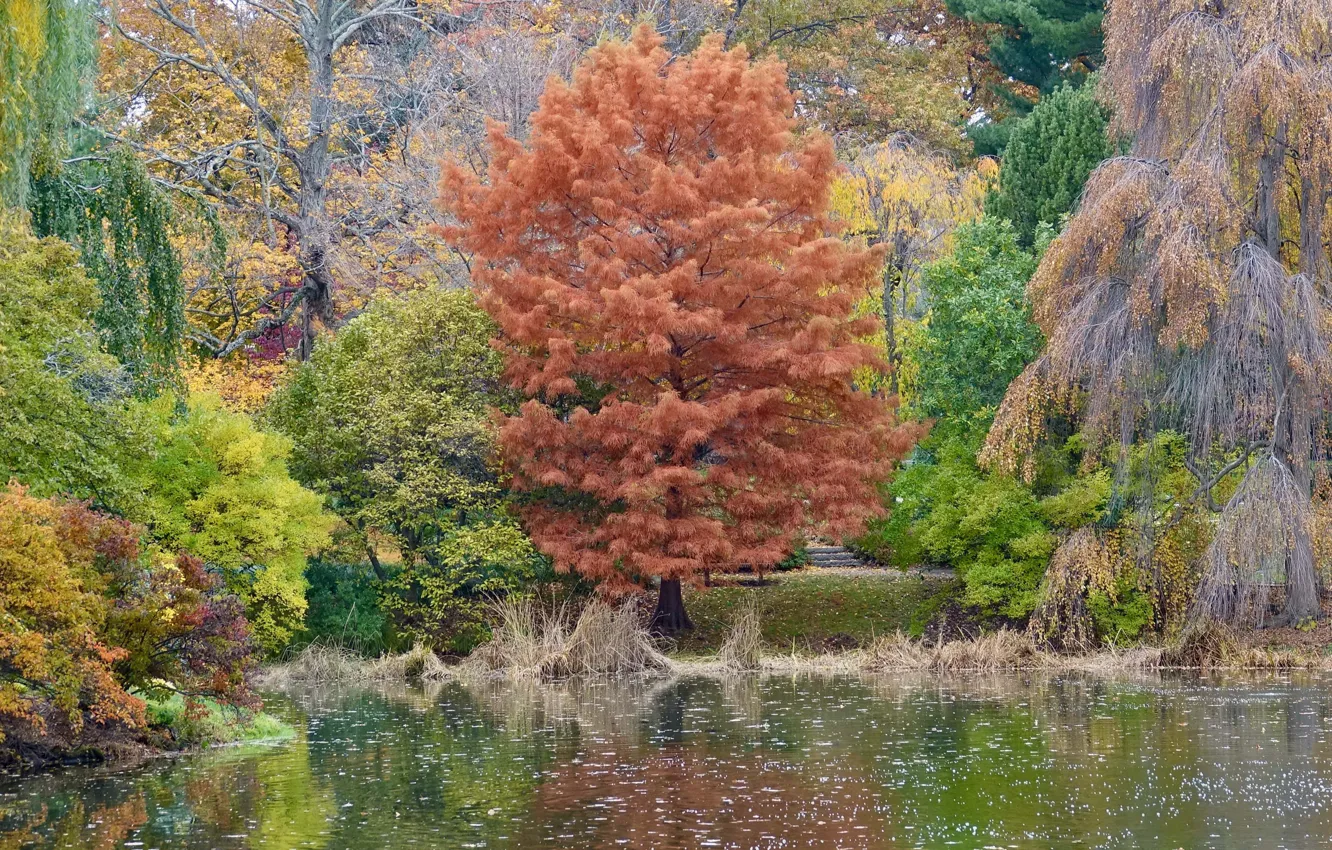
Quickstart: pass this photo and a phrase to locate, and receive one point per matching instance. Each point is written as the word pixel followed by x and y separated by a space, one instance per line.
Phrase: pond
pixel 776 762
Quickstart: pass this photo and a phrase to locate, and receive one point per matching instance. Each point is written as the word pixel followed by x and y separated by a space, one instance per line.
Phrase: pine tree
pixel 1048 159
pixel 662 237
pixel 1040 42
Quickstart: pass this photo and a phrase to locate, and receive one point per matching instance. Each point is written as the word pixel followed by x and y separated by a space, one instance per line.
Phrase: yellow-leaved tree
pixel 910 198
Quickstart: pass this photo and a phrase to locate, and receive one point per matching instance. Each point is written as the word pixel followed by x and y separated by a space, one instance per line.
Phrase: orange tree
pixel 656 259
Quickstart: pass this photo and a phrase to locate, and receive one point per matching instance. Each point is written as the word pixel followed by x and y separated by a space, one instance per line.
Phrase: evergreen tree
pixel 1038 45
pixel 1049 157
pixel 1040 42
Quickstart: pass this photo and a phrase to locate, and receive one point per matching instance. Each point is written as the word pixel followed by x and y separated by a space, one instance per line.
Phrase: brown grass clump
pixel 1001 650
pixel 317 663
pixel 743 648
pixel 606 640
pixel 1210 644
pixel 416 664
pixel 898 652
pixel 529 643
pixel 329 664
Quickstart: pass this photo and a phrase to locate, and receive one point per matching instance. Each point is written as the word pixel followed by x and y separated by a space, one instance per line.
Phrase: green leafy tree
pixel 391 419
pixel 122 224
pixel 988 528
pixel 344 604
pixel 1048 159
pixel 219 488
pixel 957 364
pixel 46 49
pixel 106 204
pixel 65 423
pixel 978 335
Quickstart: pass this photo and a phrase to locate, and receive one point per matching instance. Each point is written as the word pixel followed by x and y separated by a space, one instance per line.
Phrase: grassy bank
pixel 814 611
pixel 27 746
pixel 213 724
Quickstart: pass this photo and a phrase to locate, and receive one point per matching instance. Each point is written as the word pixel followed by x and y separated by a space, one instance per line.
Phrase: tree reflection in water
pixel 750 762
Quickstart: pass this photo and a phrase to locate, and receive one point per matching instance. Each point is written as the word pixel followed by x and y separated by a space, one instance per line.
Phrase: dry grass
pixel 743 648
pixel 417 664
pixel 529 643
pixel 328 664
pixel 535 644
pixel 1214 645
pixel 1001 650
pixel 1111 660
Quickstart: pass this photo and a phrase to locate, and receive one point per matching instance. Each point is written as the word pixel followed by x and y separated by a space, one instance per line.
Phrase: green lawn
pixel 814 610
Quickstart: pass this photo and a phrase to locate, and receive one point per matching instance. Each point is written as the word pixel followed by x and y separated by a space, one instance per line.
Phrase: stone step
pixel 832 556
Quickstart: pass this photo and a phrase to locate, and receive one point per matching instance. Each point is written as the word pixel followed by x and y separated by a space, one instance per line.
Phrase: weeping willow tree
pixel 45 47
pixel 122 223
pixel 105 204
pixel 1190 291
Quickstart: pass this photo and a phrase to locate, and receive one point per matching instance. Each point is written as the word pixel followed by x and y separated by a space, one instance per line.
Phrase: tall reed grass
pixel 532 643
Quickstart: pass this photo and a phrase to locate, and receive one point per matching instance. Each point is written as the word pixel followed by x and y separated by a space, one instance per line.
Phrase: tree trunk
pixel 1303 593
pixel 889 331
pixel 314 172
pixel 1291 442
pixel 670 617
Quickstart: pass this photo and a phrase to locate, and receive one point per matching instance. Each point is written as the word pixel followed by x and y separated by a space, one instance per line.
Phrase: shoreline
pixel 25 754
pixel 996 652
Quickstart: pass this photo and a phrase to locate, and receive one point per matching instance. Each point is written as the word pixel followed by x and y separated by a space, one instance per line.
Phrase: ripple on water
pixel 875 762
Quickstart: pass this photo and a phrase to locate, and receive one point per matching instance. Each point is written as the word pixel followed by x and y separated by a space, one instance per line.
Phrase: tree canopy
pixel 683 268
pixel 1049 158
pixel 64 421
pixel 392 420
pixel 1041 42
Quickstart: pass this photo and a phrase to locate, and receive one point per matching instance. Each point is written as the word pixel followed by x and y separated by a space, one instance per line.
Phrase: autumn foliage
pixel 658 261
pixel 90 621
pixel 53 609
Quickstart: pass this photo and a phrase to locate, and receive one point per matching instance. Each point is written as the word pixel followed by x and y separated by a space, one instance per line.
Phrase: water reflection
pixel 878 762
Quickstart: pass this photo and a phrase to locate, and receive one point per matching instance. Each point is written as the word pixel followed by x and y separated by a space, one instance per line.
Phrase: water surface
pixel 875 762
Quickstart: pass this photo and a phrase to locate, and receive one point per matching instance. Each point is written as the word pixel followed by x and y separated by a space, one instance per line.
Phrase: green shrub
pixel 392 420
pixel 978 335
pixel 1121 618
pixel 218 487
pixel 65 419
pixel 343 606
